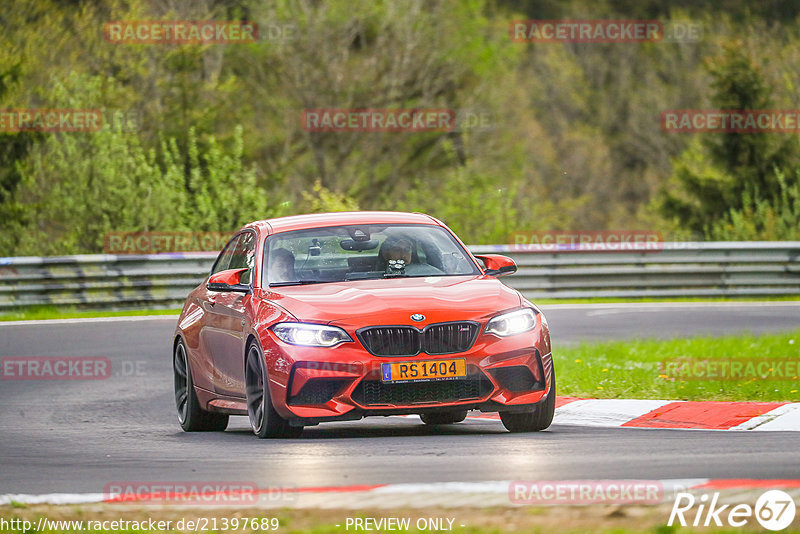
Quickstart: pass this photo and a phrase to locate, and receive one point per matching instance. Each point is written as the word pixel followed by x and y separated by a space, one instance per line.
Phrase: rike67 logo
pixel 774 510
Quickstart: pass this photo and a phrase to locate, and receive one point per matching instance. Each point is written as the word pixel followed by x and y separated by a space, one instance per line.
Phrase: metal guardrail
pixel 102 280
pixel 681 269
pixel 685 269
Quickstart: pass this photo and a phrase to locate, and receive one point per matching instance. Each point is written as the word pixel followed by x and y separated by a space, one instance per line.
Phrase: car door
pixel 217 321
pixel 228 334
pixel 204 371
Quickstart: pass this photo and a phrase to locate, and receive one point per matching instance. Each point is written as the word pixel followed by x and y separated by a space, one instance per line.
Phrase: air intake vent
pixel 317 391
pixel 516 378
pixel 375 392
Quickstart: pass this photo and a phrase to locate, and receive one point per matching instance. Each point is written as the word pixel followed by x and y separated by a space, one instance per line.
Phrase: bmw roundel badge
pixel 417 317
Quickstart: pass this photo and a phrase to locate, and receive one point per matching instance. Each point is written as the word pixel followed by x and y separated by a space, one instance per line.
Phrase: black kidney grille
pixel 448 338
pixel 442 338
pixel 375 392
pixel 391 340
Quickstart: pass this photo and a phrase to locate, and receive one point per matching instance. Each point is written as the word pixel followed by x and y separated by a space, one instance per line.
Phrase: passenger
pixel 281 266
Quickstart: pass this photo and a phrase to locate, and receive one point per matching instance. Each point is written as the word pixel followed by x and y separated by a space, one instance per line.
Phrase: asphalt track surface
pixel 78 436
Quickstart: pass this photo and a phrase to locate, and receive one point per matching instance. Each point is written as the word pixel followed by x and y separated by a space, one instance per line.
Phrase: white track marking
pixel 786 417
pixel 604 412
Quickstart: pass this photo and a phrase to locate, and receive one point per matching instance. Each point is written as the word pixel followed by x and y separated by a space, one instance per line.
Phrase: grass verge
pixel 641 369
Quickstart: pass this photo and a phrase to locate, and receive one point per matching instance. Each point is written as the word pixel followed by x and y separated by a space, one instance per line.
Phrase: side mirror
pixel 228 280
pixel 497 265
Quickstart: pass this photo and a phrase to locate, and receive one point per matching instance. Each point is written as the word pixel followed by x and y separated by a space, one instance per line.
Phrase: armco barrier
pixel 681 269
pixel 724 269
pixel 102 280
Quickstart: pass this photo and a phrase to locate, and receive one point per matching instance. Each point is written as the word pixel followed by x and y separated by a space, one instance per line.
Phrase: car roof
pixel 317 220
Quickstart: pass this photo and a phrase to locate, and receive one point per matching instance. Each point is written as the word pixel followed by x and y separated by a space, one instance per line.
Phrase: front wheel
pixel 264 420
pixel 191 417
pixel 537 419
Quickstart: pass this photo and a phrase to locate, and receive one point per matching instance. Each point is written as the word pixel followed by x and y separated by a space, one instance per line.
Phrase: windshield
pixel 361 252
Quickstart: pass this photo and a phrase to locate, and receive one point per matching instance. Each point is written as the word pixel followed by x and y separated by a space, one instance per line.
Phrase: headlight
pixel 511 323
pixel 310 335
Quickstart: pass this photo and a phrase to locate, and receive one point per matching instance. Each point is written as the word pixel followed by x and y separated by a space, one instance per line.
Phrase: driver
pixel 394 251
pixel 400 249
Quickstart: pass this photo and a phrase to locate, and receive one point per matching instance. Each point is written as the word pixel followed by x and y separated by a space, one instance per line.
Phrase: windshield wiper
pixel 297 283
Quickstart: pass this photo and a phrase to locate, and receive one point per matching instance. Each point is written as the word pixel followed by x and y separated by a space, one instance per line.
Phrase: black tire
pixel 264 420
pixel 443 418
pixel 537 419
pixel 191 417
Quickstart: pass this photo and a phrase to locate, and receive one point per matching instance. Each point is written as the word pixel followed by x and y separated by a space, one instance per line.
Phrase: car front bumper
pixel 310 385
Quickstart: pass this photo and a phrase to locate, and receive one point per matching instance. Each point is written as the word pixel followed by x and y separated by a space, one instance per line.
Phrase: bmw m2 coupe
pixel 338 316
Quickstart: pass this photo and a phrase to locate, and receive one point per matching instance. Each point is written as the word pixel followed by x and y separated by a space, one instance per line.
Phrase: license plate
pixel 424 370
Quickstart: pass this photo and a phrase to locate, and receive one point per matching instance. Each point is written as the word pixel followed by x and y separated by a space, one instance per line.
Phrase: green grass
pixel 630 369
pixel 70 312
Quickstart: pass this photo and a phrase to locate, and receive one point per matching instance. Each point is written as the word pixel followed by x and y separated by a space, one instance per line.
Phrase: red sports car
pixel 337 316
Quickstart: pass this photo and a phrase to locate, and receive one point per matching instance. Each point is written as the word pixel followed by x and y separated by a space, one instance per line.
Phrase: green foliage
pixel 698 190
pixel 472 203
pixel 109 182
pixel 763 219
pixel 469 199
pixel 572 143
pixel 223 191
pixel 322 200
pixel 721 174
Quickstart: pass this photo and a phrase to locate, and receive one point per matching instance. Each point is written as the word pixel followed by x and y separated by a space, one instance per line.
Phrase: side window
pixel 224 258
pixel 244 256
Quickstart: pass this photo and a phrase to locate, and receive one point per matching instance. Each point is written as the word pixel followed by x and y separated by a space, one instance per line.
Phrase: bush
pixel 762 219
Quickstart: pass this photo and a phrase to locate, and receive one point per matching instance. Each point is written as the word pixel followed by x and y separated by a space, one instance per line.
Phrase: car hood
pixel 393 301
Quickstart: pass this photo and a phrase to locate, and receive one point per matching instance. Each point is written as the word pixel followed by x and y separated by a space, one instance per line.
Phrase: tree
pixel 77 187
pixel 763 219
pixel 722 172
